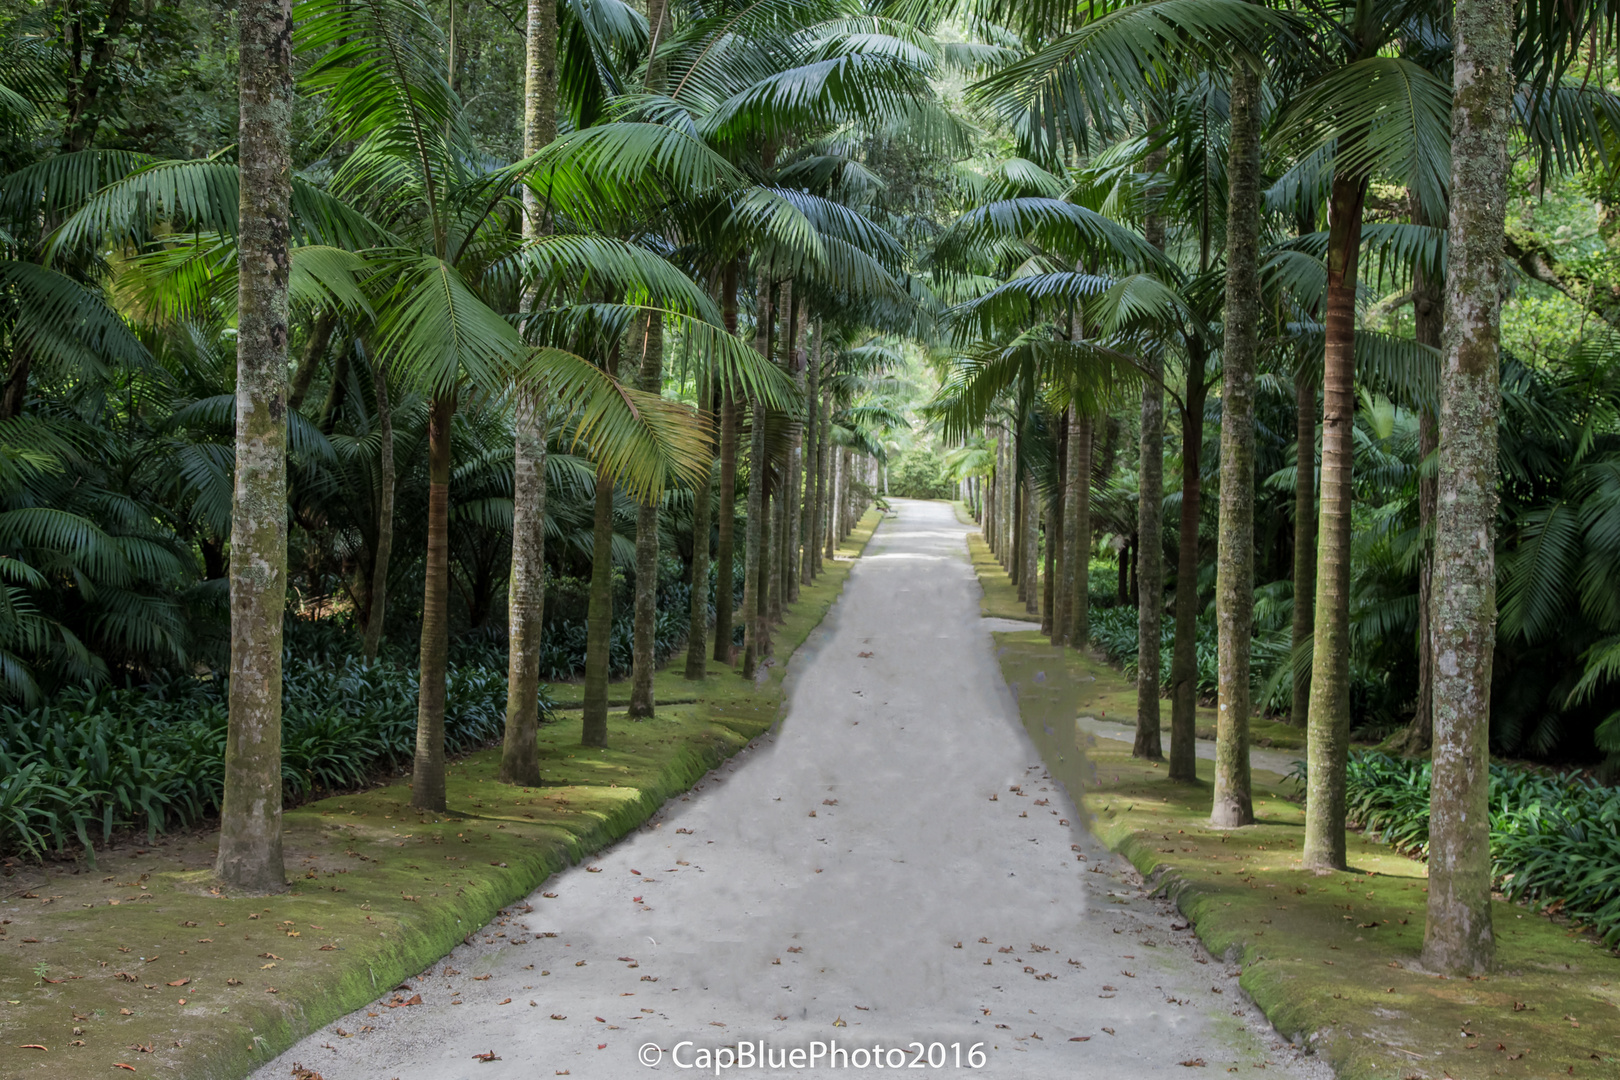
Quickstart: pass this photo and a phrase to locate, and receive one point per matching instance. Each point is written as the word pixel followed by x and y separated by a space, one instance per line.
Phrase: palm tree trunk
pixel 386 481
pixel 1082 432
pixel 599 616
pixel 754 535
pixel 754 553
pixel 793 504
pixel 812 461
pixel 526 592
pixel 1048 593
pixel 1428 326
pixel 520 760
pixel 1458 938
pixel 650 379
pixel 1233 802
pixel 725 555
pixel 250 857
pixel 1184 658
pixel 1149 520
pixel 1061 573
pixel 427 776
pixel 1032 541
pixel 1304 535
pixel 834 454
pixel 697 627
pixel 320 335
pixel 1328 739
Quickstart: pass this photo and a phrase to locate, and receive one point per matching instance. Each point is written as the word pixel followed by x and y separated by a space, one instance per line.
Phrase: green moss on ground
pixel 1000 599
pixel 144 964
pixel 1333 959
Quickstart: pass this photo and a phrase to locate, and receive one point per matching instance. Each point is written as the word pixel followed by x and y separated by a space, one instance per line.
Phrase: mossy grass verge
pixel 1332 960
pixel 143 963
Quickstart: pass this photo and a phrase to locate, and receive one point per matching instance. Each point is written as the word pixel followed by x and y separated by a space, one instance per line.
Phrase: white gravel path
pixel 864 874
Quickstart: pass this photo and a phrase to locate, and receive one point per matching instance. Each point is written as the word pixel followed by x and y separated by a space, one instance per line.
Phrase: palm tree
pixel 250 817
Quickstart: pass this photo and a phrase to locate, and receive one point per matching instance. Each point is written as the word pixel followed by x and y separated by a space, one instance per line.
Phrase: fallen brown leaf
pixel 181 982
pixel 488 1055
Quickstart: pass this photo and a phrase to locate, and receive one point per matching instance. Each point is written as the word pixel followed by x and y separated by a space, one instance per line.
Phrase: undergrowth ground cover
pixel 1332 960
pixel 142 963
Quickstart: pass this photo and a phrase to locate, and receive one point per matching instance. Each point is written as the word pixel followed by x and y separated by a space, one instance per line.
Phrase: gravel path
pixel 891 865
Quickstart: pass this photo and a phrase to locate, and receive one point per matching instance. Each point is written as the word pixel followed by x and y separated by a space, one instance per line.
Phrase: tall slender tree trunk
pixel 1184 657
pixel 320 335
pixel 1049 594
pixel 1082 436
pixel 754 554
pixel 1428 319
pixel 1032 547
pixel 386 481
pixel 793 505
pixel 1233 802
pixel 650 378
pixel 427 775
pixel 812 461
pixel 697 627
pixel 834 456
pixel 725 554
pixel 250 857
pixel 1149 519
pixel 520 755
pixel 1458 937
pixel 1062 572
pixel 1304 534
pixel 1328 739
pixel 599 616
pixel 526 587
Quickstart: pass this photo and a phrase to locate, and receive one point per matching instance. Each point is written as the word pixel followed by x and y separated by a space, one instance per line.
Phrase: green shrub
pixel 920 474
pixel 94 762
pixel 1555 838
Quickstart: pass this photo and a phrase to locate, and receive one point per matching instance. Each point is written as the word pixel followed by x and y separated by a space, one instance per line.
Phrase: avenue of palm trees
pixel 623 310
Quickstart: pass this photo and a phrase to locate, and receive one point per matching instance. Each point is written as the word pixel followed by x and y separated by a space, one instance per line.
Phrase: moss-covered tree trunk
pixel 697 626
pixel 250 857
pixel 1458 937
pixel 1150 516
pixel 793 505
pixel 1328 741
pixel 427 774
pixel 826 487
pixel 520 760
pixel 386 482
pixel 1233 802
pixel 599 616
pixel 650 378
pixel 1304 532
pixel 725 550
pixel 320 336
pixel 1184 654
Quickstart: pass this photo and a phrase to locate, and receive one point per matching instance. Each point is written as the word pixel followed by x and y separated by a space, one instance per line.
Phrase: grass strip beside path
pixel 1331 959
pixel 142 963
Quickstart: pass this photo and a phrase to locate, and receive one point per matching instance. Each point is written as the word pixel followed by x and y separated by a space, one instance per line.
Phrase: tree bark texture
pixel 250 856
pixel 427 774
pixel 526 592
pixel 1328 740
pixel 1032 541
pixel 1458 937
pixel 753 630
pixel 1233 802
pixel 1062 529
pixel 1428 304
